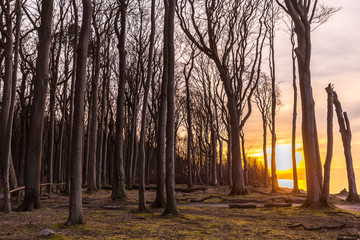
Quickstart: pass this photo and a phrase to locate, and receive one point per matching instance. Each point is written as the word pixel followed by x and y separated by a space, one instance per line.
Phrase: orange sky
pixel 336 60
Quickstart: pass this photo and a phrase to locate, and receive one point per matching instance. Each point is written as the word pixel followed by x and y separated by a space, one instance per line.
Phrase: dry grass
pixel 194 222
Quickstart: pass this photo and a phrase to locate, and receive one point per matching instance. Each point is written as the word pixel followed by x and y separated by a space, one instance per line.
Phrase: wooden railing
pixel 49 186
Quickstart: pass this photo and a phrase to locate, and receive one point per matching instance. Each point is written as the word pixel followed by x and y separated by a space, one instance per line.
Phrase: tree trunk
pixel 214 156
pixel 33 166
pixel 330 140
pixel 293 134
pixel 221 162
pixel 168 75
pixel 93 134
pixel 141 160
pixel 189 121
pixel 274 180
pixel 75 201
pixel 5 116
pixel 229 159
pixel 246 171
pixel 118 187
pixel 266 169
pixel 345 131
pixel 299 13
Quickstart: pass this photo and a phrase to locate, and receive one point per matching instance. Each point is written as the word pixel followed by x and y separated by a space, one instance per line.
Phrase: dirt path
pixel 350 207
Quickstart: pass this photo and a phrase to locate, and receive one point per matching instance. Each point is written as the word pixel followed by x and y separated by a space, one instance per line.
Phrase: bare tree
pixel 118 187
pixel 263 99
pixel 270 25
pixel 7 109
pixel 141 156
pixel 293 132
pixel 330 142
pixel 168 75
pixel 33 165
pixel 345 130
pixel 224 36
pixel 75 201
pixel 303 14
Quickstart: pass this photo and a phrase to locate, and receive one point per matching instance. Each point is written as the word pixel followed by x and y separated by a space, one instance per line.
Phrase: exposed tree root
pixel 340 227
pixel 345 213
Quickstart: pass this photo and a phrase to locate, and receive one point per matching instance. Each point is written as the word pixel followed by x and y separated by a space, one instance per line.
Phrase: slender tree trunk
pixel 345 131
pixel 141 159
pixel 246 172
pixel 266 169
pixel 75 201
pixel 23 140
pixel 5 115
pixel 299 13
pixel 221 162
pixel 53 86
pixel 12 174
pixel 214 156
pixel 169 67
pixel 118 187
pixel 293 134
pixel 33 166
pixel 274 181
pixel 130 154
pixel 229 159
pixel 189 121
pixel 330 141
pixel 71 115
pixel 93 134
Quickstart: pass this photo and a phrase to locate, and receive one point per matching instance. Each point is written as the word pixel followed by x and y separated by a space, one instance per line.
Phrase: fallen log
pixel 239 205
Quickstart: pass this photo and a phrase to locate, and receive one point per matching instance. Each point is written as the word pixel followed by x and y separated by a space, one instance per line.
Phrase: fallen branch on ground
pixel 317 228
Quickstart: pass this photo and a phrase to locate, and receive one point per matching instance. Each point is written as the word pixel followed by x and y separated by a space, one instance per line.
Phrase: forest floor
pixel 203 214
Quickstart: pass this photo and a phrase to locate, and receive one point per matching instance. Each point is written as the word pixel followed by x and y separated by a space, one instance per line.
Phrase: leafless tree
pixel 168 75
pixel 33 165
pixel 75 202
pixel 118 187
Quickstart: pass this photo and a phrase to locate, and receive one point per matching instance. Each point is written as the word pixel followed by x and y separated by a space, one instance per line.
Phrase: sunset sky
pixel 336 60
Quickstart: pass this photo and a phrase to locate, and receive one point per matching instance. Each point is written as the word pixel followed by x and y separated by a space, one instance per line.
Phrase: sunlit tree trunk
pixel 346 136
pixel 266 168
pixel 293 133
pixel 302 14
pixel 330 140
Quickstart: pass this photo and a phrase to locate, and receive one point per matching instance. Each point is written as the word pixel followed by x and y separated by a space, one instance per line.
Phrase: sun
pixel 283 156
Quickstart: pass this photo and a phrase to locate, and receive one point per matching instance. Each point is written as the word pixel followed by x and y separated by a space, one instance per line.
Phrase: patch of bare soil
pixel 200 218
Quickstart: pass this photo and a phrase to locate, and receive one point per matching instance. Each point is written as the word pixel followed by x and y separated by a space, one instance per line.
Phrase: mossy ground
pixel 105 219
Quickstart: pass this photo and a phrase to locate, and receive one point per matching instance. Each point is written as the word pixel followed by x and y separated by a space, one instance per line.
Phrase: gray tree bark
pixel 330 141
pixel 142 201
pixel 33 165
pixel 6 114
pixel 118 187
pixel 346 136
pixel 75 201
pixel 169 68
